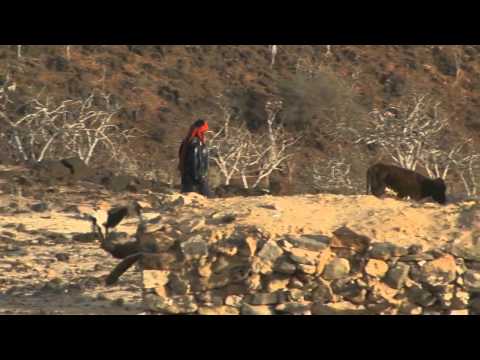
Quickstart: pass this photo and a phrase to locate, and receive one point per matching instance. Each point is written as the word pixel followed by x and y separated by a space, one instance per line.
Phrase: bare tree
pixel 329 51
pixel 405 134
pixel 89 128
pixel 73 127
pixel 274 51
pixel 462 159
pixel 67 51
pixel 228 146
pixel 413 136
pixel 468 170
pixel 19 51
pixel 334 175
pixel 278 146
pixel 251 157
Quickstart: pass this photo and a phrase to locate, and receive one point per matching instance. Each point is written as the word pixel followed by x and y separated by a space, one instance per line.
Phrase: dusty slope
pixel 162 88
pixel 34 280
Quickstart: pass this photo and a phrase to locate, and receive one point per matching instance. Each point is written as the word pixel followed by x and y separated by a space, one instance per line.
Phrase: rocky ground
pixel 321 254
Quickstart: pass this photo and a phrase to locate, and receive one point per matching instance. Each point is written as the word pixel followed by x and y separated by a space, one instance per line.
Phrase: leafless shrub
pixel 334 176
pixel 72 127
pixel 251 157
pixel 407 133
pixel 68 54
pixel 413 135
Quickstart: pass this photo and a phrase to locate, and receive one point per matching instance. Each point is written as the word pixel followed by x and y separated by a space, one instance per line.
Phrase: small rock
pixel 408 308
pixel 376 268
pixel 250 246
pixel 295 283
pixel 234 300
pixel 473 265
pixel 192 225
pixel 431 312
pixel 417 258
pixel 270 251
pixel 226 218
pixel 471 280
pixel 71 209
pixel 256 310
pixel 173 306
pixel 445 295
pixel 381 308
pixel 296 295
pixel 177 285
pixel 307 269
pixel 259 266
pixel 39 207
pixel 349 290
pixel 420 296
pixel 205 270
pixel 415 249
pixel 385 251
pixel 467 253
pixel 218 310
pixel 460 300
pixel 294 308
pixel 21 228
pixel 262 299
pixel 336 269
pixel 347 239
pixel 226 248
pixel 342 308
pixel 311 242
pixel 118 302
pixel 101 297
pixel 56 286
pixel 397 276
pixel 62 257
pixel 463 312
pixel 254 282
pixel 13 205
pixel 285 267
pixel 85 238
pixel 277 283
pixel 269 206
pixel 441 271
pixel 437 253
pixel 474 305
pixel 305 257
pixel 153 279
pixel 220 264
pixel 194 248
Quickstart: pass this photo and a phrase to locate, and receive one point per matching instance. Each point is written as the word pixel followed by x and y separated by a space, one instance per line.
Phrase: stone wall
pixel 249 273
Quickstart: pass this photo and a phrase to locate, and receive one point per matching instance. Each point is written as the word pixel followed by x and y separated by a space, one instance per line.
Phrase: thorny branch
pixel 238 152
pixel 75 126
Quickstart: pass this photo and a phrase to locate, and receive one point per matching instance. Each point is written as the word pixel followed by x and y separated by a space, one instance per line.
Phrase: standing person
pixel 193 156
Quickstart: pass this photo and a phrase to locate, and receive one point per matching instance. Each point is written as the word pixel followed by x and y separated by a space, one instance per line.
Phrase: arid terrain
pixel 86 128
pixel 51 265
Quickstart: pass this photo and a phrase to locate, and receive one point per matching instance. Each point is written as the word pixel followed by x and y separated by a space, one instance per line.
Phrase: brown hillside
pixel 161 89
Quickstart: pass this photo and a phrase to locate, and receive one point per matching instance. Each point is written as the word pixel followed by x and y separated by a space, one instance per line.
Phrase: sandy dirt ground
pixel 44 271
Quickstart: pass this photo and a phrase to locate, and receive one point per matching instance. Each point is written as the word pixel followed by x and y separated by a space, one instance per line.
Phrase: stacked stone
pixel 250 273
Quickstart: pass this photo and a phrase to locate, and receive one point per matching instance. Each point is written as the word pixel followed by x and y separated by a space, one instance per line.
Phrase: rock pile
pixel 246 272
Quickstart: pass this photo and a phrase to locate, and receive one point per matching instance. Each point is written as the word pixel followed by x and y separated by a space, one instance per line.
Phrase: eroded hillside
pixel 161 89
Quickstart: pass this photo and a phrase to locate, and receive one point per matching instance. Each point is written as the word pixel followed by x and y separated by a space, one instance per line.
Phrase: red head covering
pixel 197 130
